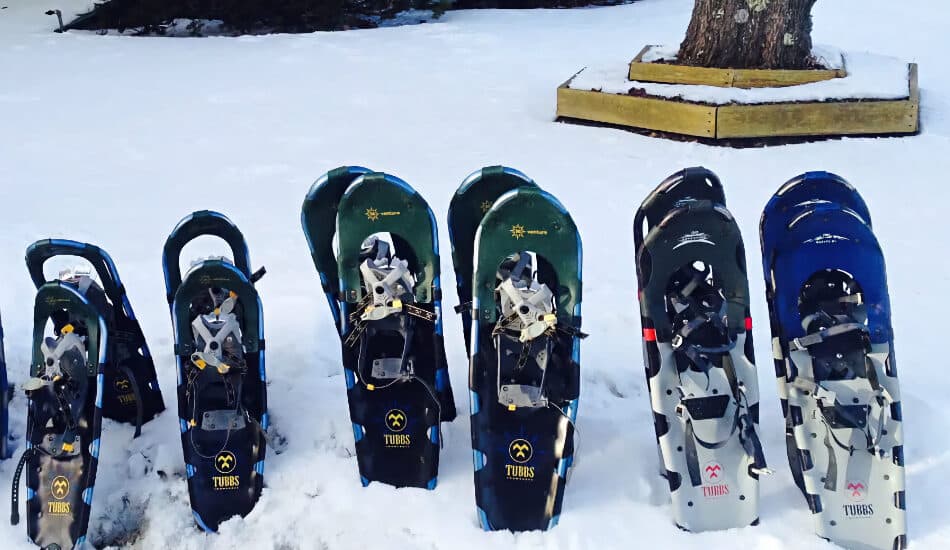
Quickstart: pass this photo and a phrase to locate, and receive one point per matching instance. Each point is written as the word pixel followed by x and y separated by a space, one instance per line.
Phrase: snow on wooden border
pixel 870 76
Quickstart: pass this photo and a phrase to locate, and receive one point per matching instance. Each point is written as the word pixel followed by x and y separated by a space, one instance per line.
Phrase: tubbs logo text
pixel 59 488
pixel 712 476
pixel 858 510
pixel 520 451
pixel 395 421
pixel 225 463
pixel 124 391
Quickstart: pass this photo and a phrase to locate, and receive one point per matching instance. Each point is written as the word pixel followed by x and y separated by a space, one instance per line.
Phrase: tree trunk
pixel 749 34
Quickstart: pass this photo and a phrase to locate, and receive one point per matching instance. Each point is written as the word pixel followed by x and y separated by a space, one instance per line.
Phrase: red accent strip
pixel 649 334
pixel 748 323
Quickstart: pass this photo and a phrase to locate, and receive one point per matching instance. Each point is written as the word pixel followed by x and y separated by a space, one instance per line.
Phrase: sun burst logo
pixel 517 231
pixel 372 214
pixel 486 206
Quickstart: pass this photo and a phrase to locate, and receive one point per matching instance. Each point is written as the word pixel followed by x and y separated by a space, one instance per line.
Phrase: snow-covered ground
pixel 113 139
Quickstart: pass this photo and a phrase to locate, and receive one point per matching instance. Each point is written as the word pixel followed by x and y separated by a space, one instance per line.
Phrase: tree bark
pixel 749 34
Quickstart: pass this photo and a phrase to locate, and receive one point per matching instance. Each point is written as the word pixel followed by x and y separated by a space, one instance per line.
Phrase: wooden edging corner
pixel 666 73
pixel 826 118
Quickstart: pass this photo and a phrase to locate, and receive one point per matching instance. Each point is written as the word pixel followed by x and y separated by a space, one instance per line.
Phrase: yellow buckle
pixel 512 407
pixel 67 329
pixel 370 387
pixel 68 447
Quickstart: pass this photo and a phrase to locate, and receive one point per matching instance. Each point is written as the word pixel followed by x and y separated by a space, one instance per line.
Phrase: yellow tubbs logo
pixel 59 488
pixel 396 420
pixel 486 206
pixel 520 451
pixel 225 462
pixel 517 231
pixel 372 214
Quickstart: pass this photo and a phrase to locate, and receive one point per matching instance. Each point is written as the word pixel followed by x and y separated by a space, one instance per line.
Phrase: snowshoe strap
pixel 274 439
pixel 804 342
pixel 15 491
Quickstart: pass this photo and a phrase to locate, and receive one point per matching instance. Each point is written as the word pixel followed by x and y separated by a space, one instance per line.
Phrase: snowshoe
pixel 70 356
pixel 222 387
pixel 686 186
pixel 834 346
pixel 694 303
pixel 525 359
pixel 470 203
pixel 386 299
pixel 794 198
pixel 131 393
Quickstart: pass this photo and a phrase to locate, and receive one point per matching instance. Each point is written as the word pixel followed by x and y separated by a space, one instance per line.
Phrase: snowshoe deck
pixel 390 319
pixel 525 369
pixel 471 201
pixel 795 197
pixel 833 338
pixel 700 366
pixel 132 394
pixel 222 386
pixel 65 414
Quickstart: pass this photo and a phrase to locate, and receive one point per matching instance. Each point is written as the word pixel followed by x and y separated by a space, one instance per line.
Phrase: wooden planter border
pixel 825 118
pixel 725 78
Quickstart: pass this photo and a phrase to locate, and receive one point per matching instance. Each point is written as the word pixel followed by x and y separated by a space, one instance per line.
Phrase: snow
pixel 828 56
pixel 870 76
pixel 112 139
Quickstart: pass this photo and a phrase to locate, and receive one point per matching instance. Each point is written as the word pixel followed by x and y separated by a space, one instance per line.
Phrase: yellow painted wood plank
pixel 817 119
pixel 737 78
pixel 638 112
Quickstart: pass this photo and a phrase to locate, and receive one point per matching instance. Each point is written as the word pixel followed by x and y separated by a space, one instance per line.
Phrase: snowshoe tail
pixel 131 394
pixel 65 414
pixel 318 218
pixel 834 352
pixel 222 386
pixel 390 316
pixel 469 204
pixel 524 373
pixel 694 303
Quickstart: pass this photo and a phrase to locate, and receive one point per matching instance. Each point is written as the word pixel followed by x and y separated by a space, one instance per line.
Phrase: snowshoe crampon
pixel 834 351
pixel 222 393
pixel 694 303
pixel 131 393
pixel 469 204
pixel 70 355
pixel 525 358
pixel 384 291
